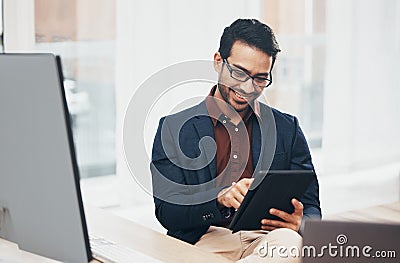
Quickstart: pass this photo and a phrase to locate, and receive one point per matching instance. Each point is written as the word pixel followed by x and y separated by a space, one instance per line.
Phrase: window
pixel 83 33
pixel 299 73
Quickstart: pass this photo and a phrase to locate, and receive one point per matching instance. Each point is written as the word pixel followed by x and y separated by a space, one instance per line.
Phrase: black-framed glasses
pixel 240 75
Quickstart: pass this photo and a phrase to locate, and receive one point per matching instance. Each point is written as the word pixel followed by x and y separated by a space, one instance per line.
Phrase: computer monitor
pixel 40 200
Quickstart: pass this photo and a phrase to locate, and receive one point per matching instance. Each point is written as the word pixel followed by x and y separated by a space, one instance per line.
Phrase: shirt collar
pixel 216 113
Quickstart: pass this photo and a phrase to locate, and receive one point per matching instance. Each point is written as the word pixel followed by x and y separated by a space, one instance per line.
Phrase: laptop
pixel 333 241
pixel 41 206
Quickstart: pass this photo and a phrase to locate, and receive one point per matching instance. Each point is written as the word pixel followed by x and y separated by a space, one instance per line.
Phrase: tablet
pixel 270 189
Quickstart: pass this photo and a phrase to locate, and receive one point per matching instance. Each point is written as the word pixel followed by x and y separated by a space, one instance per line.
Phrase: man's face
pixel 252 61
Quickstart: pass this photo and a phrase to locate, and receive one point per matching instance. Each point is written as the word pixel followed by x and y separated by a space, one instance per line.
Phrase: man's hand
pixel 292 221
pixel 234 195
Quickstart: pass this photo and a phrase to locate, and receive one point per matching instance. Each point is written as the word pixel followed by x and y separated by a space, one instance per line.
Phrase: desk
pixel 386 213
pixel 145 240
pixel 9 252
pixel 167 249
pixel 127 233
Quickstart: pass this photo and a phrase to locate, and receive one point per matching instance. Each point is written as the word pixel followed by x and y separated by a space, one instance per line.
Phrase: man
pixel 198 183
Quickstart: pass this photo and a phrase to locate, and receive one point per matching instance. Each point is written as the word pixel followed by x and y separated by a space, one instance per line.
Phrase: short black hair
pixel 251 32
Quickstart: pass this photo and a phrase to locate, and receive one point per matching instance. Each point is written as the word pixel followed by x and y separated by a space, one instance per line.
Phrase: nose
pixel 247 86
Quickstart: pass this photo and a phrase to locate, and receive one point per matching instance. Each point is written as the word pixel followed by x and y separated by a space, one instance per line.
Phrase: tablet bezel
pixel 268 182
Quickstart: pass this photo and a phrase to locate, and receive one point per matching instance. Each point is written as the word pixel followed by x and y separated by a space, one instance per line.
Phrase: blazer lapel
pixel 256 141
pixel 204 128
pixel 264 139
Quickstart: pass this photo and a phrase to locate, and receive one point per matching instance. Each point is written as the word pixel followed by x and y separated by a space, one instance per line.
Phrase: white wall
pixel 362 109
pixel 359 164
pixel 154 34
pixel 19 25
pixel 361 143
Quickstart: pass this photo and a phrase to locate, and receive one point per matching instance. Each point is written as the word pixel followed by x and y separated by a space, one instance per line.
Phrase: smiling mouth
pixel 239 97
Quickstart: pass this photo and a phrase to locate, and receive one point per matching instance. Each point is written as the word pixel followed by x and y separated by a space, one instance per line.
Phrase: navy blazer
pixel 184 165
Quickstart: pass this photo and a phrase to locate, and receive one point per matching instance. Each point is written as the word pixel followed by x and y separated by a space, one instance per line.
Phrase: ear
pixel 217 62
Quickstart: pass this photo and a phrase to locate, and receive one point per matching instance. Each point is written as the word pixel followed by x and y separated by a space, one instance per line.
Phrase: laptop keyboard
pixel 109 251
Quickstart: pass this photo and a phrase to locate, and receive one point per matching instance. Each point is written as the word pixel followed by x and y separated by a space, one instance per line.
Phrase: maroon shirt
pixel 234 150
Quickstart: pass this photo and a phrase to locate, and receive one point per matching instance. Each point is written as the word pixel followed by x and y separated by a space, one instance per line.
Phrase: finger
pixel 282 214
pixel 237 194
pixel 242 188
pixel 247 181
pixel 276 223
pixel 235 203
pixel 269 228
pixel 223 192
pixel 230 199
pixel 244 183
pixel 298 207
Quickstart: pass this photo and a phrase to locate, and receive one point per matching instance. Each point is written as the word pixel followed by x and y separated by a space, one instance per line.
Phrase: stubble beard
pixel 224 91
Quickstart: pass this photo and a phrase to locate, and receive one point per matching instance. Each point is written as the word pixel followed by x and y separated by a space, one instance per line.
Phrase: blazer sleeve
pixel 301 160
pixel 178 207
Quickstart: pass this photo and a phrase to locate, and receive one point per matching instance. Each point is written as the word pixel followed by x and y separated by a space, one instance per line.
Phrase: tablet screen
pixel 270 189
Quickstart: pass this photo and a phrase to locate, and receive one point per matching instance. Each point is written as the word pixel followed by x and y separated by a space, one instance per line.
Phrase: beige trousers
pixel 252 246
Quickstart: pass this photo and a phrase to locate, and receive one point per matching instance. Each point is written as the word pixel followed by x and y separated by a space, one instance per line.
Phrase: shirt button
pixel 235 156
pixel 236 129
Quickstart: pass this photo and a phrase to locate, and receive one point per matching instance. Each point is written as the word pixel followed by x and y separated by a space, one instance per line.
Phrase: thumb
pixel 298 206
